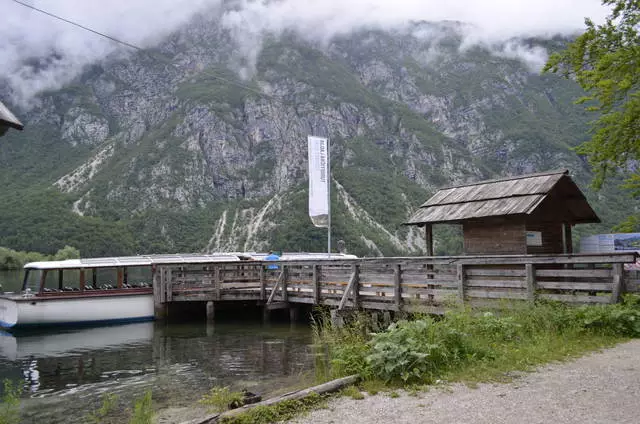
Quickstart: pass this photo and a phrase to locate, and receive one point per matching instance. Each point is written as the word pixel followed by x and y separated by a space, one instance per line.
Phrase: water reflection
pixel 65 372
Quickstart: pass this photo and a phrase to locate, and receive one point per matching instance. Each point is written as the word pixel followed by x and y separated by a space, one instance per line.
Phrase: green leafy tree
pixel 605 61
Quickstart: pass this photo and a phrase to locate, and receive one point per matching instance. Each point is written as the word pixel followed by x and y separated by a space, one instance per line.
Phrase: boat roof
pixel 173 259
pixel 141 260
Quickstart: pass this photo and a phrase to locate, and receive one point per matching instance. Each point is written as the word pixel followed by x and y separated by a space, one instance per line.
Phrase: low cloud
pixel 40 53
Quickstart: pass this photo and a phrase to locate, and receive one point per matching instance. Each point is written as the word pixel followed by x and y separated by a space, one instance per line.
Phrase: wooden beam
pixel 397 286
pixel 60 280
pixel 618 283
pixel 120 277
pixel 285 275
pixel 566 237
pixel 217 275
pixel 168 283
pixel 316 284
pixel 163 292
pixel 275 288
pixel 353 284
pixel 530 272
pixel 263 283
pixel 428 235
pixel 461 277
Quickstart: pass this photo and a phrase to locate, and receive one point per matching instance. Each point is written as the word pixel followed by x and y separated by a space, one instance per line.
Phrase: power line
pixel 166 59
pixel 101 34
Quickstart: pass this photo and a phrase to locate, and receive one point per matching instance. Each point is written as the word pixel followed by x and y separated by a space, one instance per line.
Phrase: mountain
pixel 162 151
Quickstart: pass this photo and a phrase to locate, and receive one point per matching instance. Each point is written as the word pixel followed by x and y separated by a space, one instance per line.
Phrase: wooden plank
pixel 429 298
pixel 378 279
pixel 316 284
pixel 413 278
pixel 485 294
pixel 530 271
pixel 477 272
pixel 300 299
pixel 574 273
pixel 574 285
pixel 433 283
pixel 429 291
pixel 618 283
pixel 397 281
pixel 512 284
pixel 569 298
pixel 383 306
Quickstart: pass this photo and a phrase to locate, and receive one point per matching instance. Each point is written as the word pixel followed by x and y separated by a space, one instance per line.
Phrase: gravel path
pixel 602 387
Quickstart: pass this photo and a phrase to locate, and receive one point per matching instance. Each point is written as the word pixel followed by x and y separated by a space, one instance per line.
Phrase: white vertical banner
pixel 318 181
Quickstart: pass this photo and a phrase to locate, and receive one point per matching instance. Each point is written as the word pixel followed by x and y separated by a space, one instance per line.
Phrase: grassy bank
pixel 470 346
pixel 464 345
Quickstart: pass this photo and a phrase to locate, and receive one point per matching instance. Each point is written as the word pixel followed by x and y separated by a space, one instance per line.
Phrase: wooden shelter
pixel 8 120
pixel 526 214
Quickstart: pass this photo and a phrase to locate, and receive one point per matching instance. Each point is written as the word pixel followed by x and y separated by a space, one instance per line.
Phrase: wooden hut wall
pixel 495 237
pixel 551 234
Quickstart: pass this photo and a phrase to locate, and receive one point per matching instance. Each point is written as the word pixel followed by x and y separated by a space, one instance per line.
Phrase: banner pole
pixel 329 197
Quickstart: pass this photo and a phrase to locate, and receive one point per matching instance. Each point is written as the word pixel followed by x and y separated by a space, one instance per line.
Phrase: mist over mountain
pixel 197 142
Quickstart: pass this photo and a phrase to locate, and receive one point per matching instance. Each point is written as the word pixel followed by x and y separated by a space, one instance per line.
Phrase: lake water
pixel 65 373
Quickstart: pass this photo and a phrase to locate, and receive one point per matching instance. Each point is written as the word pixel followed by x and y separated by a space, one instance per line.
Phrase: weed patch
pixel 10 406
pixel 353 392
pixel 282 411
pixel 220 399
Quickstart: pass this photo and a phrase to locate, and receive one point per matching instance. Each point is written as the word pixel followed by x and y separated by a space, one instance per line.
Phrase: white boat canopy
pixel 148 260
pixel 142 260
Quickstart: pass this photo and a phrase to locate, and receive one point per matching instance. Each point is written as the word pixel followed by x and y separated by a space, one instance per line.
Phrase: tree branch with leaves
pixel 605 61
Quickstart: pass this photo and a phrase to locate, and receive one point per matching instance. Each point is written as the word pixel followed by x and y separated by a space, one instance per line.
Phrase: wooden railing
pixel 412 284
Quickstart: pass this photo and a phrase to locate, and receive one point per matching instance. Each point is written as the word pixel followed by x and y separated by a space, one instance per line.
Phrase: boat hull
pixel 20 311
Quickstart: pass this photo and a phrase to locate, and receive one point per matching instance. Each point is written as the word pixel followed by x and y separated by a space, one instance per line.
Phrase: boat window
pixel 139 276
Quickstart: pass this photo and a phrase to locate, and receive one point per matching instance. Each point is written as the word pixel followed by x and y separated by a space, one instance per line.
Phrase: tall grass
pixel 473 345
pixel 108 412
pixel 10 406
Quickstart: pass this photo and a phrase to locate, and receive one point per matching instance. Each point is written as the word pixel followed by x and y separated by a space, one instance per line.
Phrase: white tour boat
pixel 90 291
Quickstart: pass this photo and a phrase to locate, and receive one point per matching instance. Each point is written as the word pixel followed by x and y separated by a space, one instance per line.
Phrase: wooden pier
pixel 420 284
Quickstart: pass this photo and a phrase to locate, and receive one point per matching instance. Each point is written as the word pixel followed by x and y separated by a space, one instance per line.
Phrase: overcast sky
pixel 28 34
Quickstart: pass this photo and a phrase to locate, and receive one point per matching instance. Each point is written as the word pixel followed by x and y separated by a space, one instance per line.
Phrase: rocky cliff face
pixel 162 143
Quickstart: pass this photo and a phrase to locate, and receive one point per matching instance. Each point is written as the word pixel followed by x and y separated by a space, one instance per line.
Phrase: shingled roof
pixel 8 120
pixel 522 195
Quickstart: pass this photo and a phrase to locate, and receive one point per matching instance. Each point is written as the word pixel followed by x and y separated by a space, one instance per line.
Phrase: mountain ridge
pixel 170 159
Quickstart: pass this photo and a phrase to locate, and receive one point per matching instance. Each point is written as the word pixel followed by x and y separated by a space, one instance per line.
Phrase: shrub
pixel 219 399
pixel 418 350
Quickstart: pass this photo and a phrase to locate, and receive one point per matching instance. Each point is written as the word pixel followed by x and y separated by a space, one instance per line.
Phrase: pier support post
pixel 294 313
pixel 266 315
pixel 337 319
pixel 211 311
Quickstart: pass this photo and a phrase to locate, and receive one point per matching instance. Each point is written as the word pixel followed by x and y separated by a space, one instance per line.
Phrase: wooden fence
pixel 427 284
